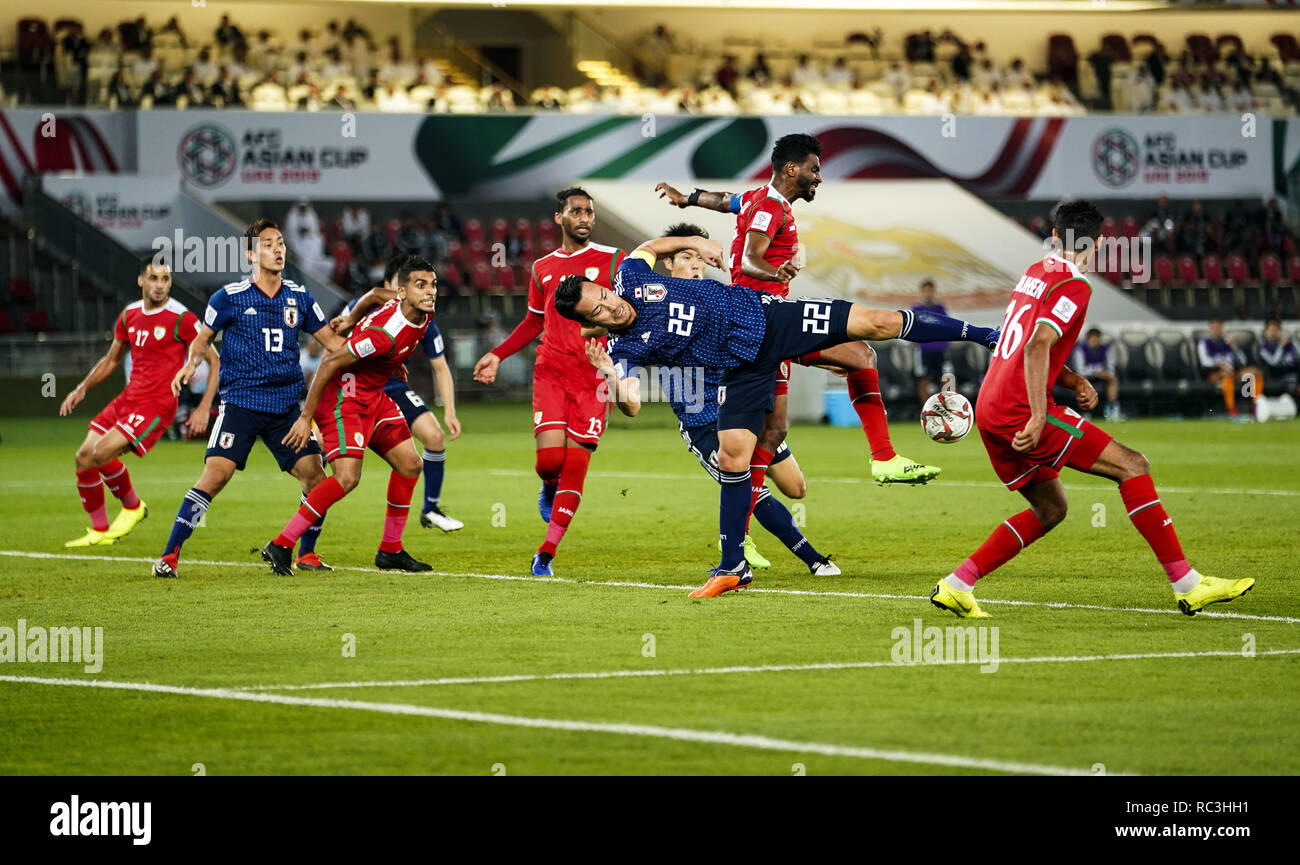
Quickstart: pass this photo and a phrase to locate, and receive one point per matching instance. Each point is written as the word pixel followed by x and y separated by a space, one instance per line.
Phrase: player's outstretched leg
pixel 118 481
pixel 1192 591
pixel 773 516
pixel 97 449
pixel 735 452
pixel 568 496
pixel 310 472
pixel 279 551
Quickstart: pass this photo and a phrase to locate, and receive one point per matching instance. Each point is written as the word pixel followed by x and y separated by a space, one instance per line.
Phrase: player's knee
pixel 101 454
pixel 773 435
pixel 1051 514
pixel 868 356
pixel 435 441
pixel 85 458
pixel 348 481
pixel 550 461
pixel 1136 464
pixel 793 488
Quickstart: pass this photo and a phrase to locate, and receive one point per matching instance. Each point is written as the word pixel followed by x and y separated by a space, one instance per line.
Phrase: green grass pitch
pixel 1096 666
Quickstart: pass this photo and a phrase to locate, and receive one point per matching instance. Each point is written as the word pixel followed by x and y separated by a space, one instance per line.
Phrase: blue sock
pixel 193 507
pixel 307 543
pixel 733 515
pixel 923 326
pixel 773 516
pixel 434 463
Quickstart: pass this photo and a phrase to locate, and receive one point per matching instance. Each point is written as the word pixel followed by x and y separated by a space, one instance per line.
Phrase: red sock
pixel 91 490
pixel 400 489
pixel 758 464
pixel 864 391
pixel 118 481
pixel 1150 519
pixel 567 497
pixel 1007 540
pixel 319 500
pixel 550 462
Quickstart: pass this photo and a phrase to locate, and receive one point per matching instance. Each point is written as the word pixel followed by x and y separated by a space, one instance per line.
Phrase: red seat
pixel 1109 228
pixel 483 277
pixel 21 290
pixel 456 251
pixel 549 245
pixel 1164 268
pixel 451 272
pixel 391 228
pixel 1129 226
pixel 546 228
pixel 1140 272
pixel 1187 272
pixel 1270 269
pixel 1238 272
pixel 36 320
pixel 473 230
pixel 1213 270
pixel 475 252
pixel 506 278
pixel 524 228
pixel 342 261
pixel 500 228
pixel 1293 269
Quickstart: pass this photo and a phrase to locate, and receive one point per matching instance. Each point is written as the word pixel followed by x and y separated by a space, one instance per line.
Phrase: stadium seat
pixel 1177 364
pixel 1293 270
pixel 474 230
pixel 524 228
pixel 505 278
pixel 482 276
pixel 476 251
pixel 1270 269
pixel 500 229
pixel 1213 270
pixel 456 251
pixel 1238 271
pixel 36 320
pixel 1164 270
pixel 342 262
pixel 1109 228
pixel 1129 227
pixel 1187 270
pixel 20 290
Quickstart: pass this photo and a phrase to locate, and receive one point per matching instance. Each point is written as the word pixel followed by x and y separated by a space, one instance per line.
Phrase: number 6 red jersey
pixel 1054 292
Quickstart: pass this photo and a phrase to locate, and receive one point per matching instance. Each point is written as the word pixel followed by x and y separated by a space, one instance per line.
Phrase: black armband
pixel 694 198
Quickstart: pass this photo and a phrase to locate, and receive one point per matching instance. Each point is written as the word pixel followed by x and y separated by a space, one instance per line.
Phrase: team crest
pixel 226 440
pixel 722 394
pixel 654 292
pixel 159 332
pixel 593 272
pixel 360 440
pixel 291 315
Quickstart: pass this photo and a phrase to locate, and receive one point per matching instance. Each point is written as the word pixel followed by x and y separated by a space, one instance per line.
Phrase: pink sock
pixel 554 534
pixel 399 505
pixel 967 573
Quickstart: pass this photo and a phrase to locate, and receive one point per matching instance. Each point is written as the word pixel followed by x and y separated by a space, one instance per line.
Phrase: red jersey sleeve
pixel 369 342
pixel 119 329
pixel 187 327
pixel 536 300
pixel 1064 305
pixel 614 261
pixel 767 217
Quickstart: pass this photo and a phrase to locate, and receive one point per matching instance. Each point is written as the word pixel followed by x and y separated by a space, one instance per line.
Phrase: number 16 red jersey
pixel 1054 292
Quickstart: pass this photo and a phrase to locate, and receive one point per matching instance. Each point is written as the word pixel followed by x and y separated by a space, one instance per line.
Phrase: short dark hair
pixel 1092 331
pixel 1272 319
pixel 685 229
pixel 562 197
pixel 257 227
pixel 927 281
pixel 1080 218
pixel 410 264
pixel 567 295
pixel 793 148
pixel 1215 318
pixel 394 264
pixel 159 259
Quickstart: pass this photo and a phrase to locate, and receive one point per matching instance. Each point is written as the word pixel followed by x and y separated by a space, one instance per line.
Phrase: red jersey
pixel 159 342
pixel 381 342
pixel 1053 292
pixel 766 211
pixel 563 352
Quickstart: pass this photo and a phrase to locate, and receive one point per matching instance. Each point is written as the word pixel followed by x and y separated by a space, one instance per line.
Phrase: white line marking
pixel 710 737
pixel 628 584
pixel 765 668
pixel 867 480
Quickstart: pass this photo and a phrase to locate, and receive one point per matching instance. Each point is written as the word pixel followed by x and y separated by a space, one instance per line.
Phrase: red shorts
pixel 581 412
pixel 141 419
pixel 1067 439
pixel 348 428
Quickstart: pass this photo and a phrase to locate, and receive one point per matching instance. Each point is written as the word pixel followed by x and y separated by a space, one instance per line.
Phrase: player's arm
pixel 375 297
pixel 661 247
pixel 1083 389
pixel 338 358
pixel 626 391
pixel 197 423
pixel 329 337
pixel 753 265
pixel 1037 356
pixel 723 202
pixel 446 388
pixel 102 369
pixel 198 350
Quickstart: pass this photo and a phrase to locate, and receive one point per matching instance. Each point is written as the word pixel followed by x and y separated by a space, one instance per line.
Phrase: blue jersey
pixel 684 324
pixel 431 343
pixel 259 348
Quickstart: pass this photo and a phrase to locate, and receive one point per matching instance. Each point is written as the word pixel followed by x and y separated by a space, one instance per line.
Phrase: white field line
pixel 867 480
pixel 766 668
pixel 627 584
pixel 709 737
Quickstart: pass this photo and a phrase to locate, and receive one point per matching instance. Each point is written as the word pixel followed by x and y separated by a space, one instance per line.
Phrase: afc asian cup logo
pixel 1116 158
pixel 206 156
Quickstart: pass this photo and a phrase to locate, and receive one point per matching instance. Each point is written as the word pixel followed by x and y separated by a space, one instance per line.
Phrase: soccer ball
pixel 947 417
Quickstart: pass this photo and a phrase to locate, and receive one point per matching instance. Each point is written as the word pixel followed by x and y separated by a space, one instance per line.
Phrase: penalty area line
pixel 629 584
pixel 652 731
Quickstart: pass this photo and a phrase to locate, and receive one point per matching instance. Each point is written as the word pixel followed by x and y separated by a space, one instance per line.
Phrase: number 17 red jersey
pixel 1054 292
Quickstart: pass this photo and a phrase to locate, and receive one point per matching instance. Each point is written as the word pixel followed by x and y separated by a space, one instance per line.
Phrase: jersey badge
pixel 762 221
pixel 654 292
pixel 365 348
pixel 291 315
pixel 250 311
pixel 1065 309
pixel 592 272
pixel 226 440
pixel 159 332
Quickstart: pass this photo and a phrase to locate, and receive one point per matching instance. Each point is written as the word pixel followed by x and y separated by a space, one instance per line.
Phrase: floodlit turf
pixel 649 517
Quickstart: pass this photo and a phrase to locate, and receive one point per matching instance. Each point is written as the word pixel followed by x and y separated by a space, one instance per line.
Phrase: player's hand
pixel 453 425
pixel 711 252
pixel 597 356
pixel 1027 438
pixel 485 371
pixel 786 272
pixel 592 332
pixel 71 401
pixel 1086 394
pixel 339 324
pixel 181 379
pixel 299 434
pixel 674 197
pixel 197 423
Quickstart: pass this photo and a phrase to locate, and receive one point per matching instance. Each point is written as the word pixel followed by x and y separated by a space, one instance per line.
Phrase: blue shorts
pixel 236 428
pixel 703 442
pixel 795 327
pixel 410 402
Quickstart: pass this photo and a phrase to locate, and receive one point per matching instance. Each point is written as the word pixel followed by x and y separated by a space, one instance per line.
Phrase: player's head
pixel 685 263
pixel 417 285
pixel 1094 337
pixel 390 270
pixel 1216 327
pixel 1272 329
pixel 927 290
pixel 265 246
pixel 155 280
pixel 1078 229
pixel 575 213
pixel 590 303
pixel 798 158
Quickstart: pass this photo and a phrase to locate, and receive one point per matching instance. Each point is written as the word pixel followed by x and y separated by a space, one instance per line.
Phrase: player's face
pixel 686 264
pixel 578 218
pixel 1093 340
pixel 156 283
pixel 1272 332
pixel 270 251
pixel 420 292
pixel 600 306
pixel 1216 329
pixel 809 176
